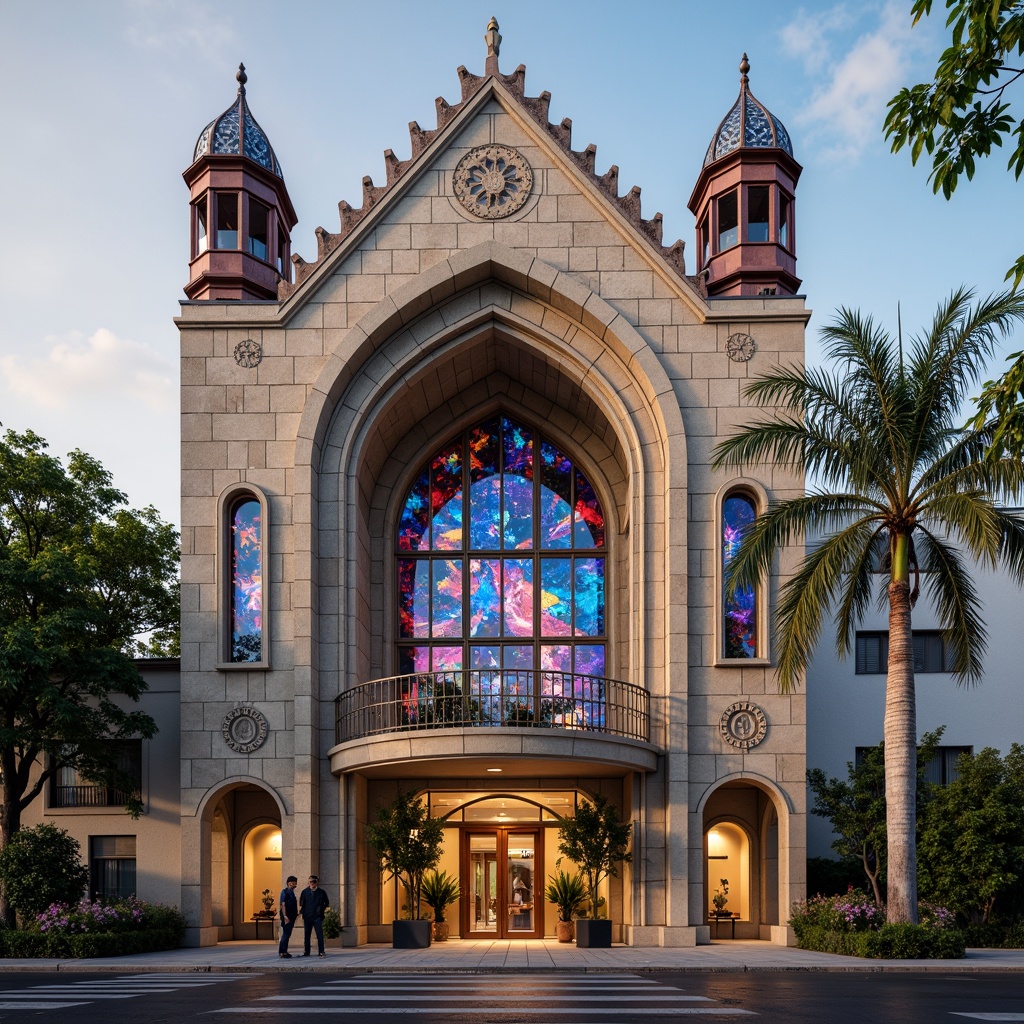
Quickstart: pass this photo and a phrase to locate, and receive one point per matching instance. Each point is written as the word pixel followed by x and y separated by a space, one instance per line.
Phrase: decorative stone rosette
pixel 743 725
pixel 248 353
pixel 492 182
pixel 244 729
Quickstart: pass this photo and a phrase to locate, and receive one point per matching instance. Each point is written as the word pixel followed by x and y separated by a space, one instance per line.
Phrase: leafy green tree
pixel 81 577
pixel 407 840
pixel 598 843
pixel 903 494
pixel 964 112
pixel 972 835
pixel 40 866
pixel 856 808
pixel 1001 410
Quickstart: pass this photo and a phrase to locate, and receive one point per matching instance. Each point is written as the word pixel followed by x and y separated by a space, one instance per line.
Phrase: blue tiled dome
pixel 749 123
pixel 236 132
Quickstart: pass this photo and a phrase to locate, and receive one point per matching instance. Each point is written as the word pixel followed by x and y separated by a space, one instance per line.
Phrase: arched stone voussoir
pixel 419 305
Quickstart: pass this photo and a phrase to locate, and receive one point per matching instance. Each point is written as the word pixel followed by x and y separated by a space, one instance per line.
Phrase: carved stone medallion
pixel 740 347
pixel 743 725
pixel 244 729
pixel 248 353
pixel 493 181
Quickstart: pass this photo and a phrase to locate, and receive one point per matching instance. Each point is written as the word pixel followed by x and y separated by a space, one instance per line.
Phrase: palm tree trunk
pixel 901 759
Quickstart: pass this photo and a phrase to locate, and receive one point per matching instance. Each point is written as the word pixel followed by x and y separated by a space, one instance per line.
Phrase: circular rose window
pixel 493 181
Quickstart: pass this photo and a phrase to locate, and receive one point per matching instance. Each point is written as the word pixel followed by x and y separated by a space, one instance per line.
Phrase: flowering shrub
pixel 854 925
pixel 854 911
pixel 113 916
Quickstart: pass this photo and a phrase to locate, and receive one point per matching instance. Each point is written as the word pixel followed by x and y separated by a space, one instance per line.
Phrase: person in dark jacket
pixel 289 911
pixel 313 902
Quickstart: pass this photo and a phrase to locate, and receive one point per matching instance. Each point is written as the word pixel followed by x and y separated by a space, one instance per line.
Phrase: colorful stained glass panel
pixel 589 574
pixel 446 619
pixel 518 596
pixel 739 610
pixel 446 498
pixel 413 597
pixel 517 477
pixel 555 497
pixel 556 597
pixel 485 514
pixel 588 517
pixel 485 597
pixel 414 527
pixel 246 582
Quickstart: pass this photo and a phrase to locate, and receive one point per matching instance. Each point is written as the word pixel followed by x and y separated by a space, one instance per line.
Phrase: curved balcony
pixel 512 713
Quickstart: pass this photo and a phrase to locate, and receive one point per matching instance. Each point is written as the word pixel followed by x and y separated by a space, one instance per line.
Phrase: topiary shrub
pixel 40 866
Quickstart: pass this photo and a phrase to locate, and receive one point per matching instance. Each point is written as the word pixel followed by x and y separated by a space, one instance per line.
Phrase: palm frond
pixel 951 589
pixel 971 517
pixel 1011 547
pixel 860 583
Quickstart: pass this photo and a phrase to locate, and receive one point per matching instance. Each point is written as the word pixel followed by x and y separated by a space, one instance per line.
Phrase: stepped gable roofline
pixel 748 125
pixel 236 133
pixel 537 107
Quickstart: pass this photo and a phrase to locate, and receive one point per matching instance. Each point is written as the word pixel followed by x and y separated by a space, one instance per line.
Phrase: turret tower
pixel 744 202
pixel 241 214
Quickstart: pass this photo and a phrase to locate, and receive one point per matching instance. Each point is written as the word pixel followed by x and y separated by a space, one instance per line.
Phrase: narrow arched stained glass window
pixel 246 580
pixel 502 561
pixel 740 610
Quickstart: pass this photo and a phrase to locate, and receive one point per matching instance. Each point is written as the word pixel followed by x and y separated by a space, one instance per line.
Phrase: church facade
pixel 449 527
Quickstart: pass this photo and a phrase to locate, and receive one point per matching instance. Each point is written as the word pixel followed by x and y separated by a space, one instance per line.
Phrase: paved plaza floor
pixel 476 955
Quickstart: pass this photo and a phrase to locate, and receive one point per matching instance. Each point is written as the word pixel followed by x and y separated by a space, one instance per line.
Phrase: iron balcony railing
pixel 474 698
pixel 87 796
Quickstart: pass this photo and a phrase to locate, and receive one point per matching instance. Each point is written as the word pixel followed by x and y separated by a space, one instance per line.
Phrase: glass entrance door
pixel 501 873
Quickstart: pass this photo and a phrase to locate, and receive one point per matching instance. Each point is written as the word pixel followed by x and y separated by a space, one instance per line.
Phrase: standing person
pixel 312 903
pixel 289 909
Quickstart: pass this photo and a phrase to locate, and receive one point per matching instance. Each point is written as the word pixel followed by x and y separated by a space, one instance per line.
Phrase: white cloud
pixel 858 74
pixel 186 27
pixel 80 372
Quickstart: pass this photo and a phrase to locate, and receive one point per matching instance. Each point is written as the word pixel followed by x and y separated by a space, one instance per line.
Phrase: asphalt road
pixel 519 998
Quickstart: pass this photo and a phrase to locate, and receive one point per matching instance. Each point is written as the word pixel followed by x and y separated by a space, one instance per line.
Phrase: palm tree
pixel 901 490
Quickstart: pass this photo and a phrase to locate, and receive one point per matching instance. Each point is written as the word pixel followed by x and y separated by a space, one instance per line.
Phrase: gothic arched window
pixel 244 547
pixel 739 610
pixel 501 559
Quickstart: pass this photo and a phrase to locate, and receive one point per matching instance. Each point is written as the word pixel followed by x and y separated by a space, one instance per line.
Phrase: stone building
pixel 448 525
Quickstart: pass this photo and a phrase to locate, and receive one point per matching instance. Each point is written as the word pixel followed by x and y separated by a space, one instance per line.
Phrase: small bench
pixel 268 916
pixel 731 918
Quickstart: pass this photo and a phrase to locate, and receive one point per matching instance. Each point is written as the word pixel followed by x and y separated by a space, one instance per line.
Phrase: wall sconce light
pixel 275 847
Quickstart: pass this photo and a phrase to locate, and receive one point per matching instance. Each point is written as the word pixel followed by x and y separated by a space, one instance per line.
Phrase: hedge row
pixel 890 942
pixel 30 945
pixel 995 936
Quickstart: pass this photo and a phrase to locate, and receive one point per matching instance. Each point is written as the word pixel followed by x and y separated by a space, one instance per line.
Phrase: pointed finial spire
pixel 241 77
pixel 744 70
pixel 493 39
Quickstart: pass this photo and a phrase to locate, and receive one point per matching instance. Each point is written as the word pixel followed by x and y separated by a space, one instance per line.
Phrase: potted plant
pixel 440 890
pixel 566 892
pixel 720 898
pixel 598 842
pixel 408 842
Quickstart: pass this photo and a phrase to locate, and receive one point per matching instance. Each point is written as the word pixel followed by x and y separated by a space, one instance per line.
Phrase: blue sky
pixel 103 101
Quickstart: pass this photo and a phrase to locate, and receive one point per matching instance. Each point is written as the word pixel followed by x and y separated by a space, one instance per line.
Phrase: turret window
pixel 227 220
pixel 202 238
pixel 728 221
pixel 259 223
pixel 784 221
pixel 757 213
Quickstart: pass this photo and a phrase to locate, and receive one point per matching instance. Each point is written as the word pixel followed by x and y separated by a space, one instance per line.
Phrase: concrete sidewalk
pixel 482 956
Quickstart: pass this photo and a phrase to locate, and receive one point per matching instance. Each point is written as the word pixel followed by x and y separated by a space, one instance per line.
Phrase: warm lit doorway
pixel 502 883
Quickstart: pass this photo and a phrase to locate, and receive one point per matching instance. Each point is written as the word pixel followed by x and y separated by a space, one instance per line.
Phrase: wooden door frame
pixel 502 834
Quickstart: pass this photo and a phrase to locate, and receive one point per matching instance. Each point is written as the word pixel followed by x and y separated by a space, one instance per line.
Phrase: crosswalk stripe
pixel 989 1016
pixel 448 1011
pixel 503 998
pixel 38 1006
pixel 34 994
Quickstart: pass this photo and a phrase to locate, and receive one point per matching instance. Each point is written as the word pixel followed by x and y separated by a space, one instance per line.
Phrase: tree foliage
pixel 81 577
pixel 1001 411
pixel 905 497
pixel 597 841
pixel 964 112
pixel 407 841
pixel 41 866
pixel 856 808
pixel 972 836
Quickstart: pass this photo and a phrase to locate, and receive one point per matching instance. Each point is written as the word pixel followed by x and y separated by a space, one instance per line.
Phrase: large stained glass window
pixel 246 623
pixel 501 561
pixel 739 611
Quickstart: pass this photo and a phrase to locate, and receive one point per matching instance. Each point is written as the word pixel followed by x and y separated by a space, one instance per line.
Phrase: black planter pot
pixel 410 934
pixel 594 934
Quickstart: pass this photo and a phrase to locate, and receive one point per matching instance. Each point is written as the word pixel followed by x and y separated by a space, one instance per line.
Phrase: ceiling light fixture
pixel 494 769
